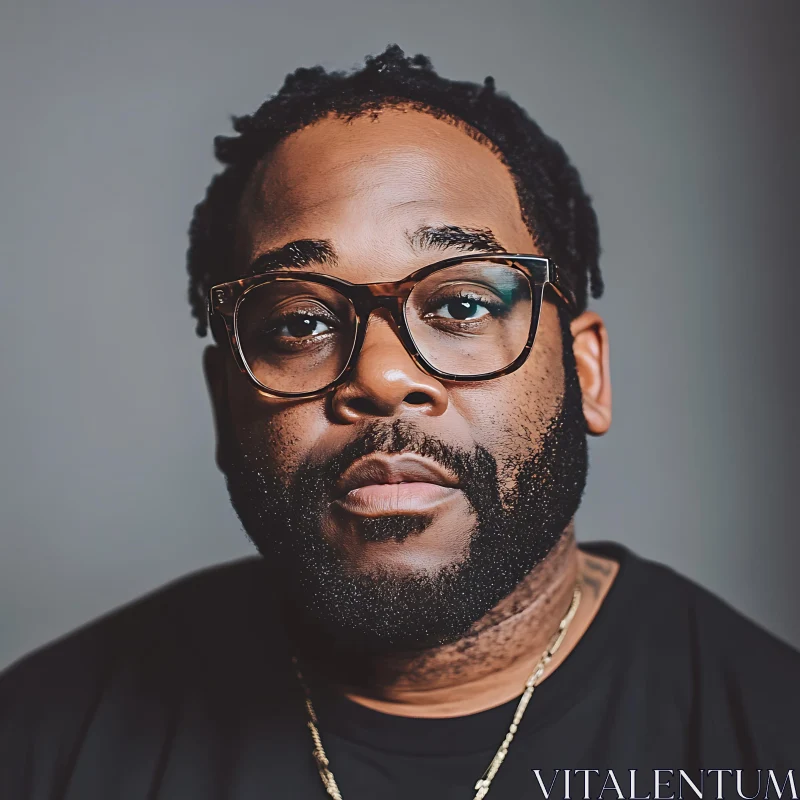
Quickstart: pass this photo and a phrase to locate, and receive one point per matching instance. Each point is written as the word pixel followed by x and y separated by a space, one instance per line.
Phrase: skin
pixel 364 185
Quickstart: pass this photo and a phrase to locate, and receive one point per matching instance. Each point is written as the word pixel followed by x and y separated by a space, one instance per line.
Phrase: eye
pixel 299 330
pixel 300 326
pixel 462 307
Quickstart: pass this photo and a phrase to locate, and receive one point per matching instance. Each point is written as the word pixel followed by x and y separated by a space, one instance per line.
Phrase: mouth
pixel 402 483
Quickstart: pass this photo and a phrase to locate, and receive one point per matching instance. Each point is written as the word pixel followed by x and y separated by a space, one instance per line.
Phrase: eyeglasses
pixel 468 318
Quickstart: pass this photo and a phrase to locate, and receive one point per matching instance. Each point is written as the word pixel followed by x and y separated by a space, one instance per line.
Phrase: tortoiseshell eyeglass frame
pixel 224 300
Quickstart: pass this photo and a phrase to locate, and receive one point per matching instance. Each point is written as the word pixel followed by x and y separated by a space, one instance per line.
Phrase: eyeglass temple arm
pixel 558 280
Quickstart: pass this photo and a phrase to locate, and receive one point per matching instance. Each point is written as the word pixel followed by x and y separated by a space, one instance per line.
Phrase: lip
pixel 400 468
pixel 394 484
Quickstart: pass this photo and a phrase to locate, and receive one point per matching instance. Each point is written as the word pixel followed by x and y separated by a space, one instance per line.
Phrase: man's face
pixel 489 472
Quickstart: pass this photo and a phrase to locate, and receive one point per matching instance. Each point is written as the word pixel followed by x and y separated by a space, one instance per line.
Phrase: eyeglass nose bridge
pixel 376 296
pixel 372 296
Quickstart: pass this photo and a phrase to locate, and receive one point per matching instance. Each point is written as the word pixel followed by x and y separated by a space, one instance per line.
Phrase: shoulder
pixel 719 631
pixel 682 607
pixel 732 679
pixel 115 687
pixel 153 638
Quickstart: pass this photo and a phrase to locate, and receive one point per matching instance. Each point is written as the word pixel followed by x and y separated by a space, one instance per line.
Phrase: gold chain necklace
pixel 482 786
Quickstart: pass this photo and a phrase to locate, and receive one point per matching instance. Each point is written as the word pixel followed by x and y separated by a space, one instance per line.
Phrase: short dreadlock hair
pixel 554 205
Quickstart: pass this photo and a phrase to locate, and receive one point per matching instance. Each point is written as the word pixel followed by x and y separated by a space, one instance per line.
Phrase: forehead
pixel 364 184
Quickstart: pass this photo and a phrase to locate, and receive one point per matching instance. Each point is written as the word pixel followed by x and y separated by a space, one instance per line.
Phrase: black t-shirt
pixel 189 693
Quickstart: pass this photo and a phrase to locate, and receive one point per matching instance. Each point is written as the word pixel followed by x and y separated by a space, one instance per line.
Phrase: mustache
pixel 397 437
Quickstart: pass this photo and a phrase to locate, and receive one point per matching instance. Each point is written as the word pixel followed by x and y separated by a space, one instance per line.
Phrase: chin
pixel 404 545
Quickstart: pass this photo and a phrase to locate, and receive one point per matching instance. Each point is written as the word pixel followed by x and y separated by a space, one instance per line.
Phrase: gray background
pixel 682 118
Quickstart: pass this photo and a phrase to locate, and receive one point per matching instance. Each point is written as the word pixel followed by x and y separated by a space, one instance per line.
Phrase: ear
pixel 216 374
pixel 590 344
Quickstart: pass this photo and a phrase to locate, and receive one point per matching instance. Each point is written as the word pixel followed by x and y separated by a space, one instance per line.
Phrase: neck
pixel 490 664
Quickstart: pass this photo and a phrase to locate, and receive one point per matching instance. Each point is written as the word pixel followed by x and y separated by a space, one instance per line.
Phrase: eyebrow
pixel 445 237
pixel 303 253
pixel 298 254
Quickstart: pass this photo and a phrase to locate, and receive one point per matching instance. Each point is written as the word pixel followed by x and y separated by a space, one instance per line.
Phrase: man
pixel 395 270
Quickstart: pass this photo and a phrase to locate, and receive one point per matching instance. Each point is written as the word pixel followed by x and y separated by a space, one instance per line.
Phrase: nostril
pixel 364 405
pixel 417 398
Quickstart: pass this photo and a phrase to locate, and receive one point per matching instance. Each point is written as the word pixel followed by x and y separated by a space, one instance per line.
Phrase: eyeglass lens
pixel 466 319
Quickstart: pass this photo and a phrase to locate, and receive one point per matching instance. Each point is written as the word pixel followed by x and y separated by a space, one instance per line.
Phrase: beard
pixel 383 611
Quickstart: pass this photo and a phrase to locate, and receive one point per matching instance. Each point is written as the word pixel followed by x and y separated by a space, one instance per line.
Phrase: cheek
pixel 274 433
pixel 510 415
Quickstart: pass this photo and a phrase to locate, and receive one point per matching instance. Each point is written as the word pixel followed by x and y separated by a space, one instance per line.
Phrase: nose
pixel 385 381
